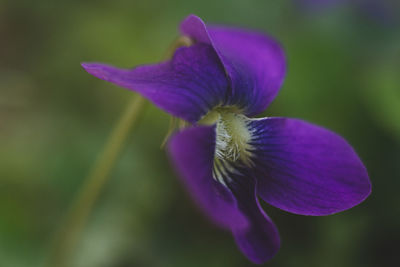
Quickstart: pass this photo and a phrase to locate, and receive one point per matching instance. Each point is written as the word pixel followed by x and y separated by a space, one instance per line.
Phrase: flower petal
pixel 235 208
pixel 254 62
pixel 305 169
pixel 260 240
pixel 187 86
pixel 192 152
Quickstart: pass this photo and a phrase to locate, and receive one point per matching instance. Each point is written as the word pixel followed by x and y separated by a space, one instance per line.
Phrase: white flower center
pixel 232 146
pixel 232 138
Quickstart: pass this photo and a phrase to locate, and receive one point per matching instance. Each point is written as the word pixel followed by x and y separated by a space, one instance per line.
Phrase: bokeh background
pixel 343 73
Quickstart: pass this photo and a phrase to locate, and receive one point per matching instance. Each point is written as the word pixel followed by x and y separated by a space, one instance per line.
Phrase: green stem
pixel 68 237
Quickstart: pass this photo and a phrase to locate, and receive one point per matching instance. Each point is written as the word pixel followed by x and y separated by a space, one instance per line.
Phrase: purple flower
pixel 226 158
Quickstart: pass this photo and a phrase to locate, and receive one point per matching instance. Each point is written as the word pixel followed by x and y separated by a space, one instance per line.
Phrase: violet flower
pixel 226 158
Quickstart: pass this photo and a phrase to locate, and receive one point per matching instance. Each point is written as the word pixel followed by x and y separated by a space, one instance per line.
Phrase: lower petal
pixel 259 241
pixel 233 206
pixel 305 169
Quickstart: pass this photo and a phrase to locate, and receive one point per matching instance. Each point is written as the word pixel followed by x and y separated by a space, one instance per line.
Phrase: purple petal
pixel 236 208
pixel 192 152
pixel 306 169
pixel 188 86
pixel 260 240
pixel 254 62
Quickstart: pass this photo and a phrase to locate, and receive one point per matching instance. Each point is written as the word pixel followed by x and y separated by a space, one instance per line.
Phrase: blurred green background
pixel 343 73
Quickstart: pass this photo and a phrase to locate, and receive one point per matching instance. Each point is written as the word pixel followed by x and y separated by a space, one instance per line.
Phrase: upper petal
pixel 187 86
pixel 306 169
pixel 235 206
pixel 254 62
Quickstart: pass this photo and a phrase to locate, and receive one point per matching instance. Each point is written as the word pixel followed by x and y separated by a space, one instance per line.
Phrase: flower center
pixel 232 146
pixel 232 138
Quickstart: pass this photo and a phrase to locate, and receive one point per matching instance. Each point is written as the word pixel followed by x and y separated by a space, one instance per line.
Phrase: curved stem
pixel 67 238
pixel 76 218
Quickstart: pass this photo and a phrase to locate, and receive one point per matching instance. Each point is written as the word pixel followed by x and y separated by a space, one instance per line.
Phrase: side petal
pixel 254 62
pixel 305 169
pixel 234 207
pixel 187 86
pixel 192 153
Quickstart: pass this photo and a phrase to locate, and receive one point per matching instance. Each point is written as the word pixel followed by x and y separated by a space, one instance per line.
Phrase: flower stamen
pixel 232 144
